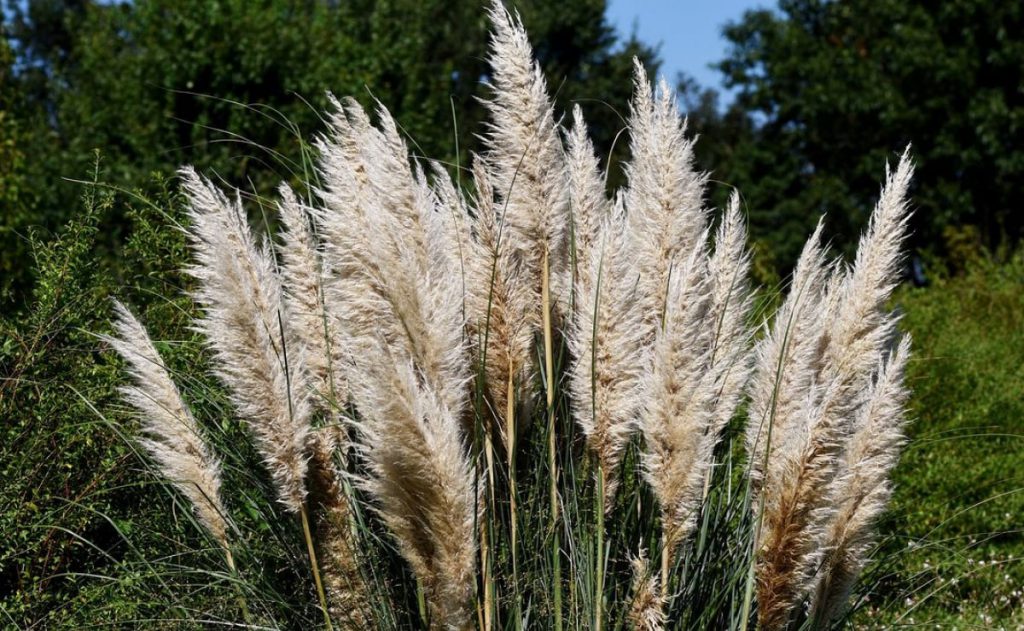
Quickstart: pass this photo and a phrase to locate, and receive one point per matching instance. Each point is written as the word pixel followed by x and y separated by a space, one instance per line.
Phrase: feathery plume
pixel 397 284
pixel 244 324
pixel 793 438
pixel 784 360
pixel 815 371
pixel 500 306
pixel 664 198
pixel 587 201
pixel 862 489
pixel 173 437
pixel 526 162
pixel 698 373
pixel 605 341
pixel 731 303
pixel 422 480
pixel 301 276
pixel 676 421
pixel 647 611
pixel 317 333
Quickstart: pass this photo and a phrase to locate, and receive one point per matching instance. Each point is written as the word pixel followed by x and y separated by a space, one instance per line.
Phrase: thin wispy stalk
pixel 172 436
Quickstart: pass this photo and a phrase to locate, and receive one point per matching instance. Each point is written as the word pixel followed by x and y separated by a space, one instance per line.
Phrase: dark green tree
pixel 236 87
pixel 833 89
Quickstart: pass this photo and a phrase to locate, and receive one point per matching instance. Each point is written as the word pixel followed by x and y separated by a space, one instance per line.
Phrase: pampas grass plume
pixel 244 324
pixel 173 438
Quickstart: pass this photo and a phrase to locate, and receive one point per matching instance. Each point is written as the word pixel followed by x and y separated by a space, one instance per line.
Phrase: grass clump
pixel 516 404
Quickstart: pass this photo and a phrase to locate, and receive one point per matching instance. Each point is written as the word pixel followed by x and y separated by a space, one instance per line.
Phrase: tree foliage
pixel 828 90
pixel 234 86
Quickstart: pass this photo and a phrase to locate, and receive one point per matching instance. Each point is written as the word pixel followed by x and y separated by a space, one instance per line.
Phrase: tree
pixel 833 89
pixel 14 197
pixel 235 86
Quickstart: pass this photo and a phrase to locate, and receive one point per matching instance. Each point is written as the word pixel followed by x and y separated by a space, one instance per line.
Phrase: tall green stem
pixel 510 411
pixel 556 545
pixel 316 569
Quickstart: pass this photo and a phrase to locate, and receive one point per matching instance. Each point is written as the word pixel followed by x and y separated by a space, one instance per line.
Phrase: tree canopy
pixel 830 90
pixel 236 87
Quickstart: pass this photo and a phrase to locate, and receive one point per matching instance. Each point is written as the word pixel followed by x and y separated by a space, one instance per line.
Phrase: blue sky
pixel 689 31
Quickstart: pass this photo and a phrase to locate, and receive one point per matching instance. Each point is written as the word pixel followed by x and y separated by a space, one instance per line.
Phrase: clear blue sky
pixel 689 31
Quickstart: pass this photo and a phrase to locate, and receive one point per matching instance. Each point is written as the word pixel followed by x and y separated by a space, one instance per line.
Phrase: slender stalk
pixel 488 586
pixel 313 564
pixel 599 504
pixel 552 452
pixel 666 562
pixel 241 597
pixel 485 563
pixel 487 576
pixel 510 410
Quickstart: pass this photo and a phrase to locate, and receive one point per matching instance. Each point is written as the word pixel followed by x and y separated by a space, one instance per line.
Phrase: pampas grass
pixel 816 373
pixel 388 357
pixel 173 439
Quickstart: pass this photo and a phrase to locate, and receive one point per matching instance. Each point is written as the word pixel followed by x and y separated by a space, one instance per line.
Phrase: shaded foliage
pixel 828 90
pixel 232 86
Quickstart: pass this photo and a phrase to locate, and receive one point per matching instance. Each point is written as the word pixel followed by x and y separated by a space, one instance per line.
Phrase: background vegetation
pixel 826 92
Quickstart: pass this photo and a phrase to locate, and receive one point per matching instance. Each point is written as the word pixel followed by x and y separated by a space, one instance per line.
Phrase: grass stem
pixel 510 412
pixel 313 564
pixel 552 451
pixel 599 595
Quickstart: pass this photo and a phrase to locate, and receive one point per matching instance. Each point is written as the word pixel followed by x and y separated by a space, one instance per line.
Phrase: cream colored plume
pixel 692 306
pixel 525 162
pixel 422 480
pixel 315 330
pixel 588 203
pixel 608 352
pixel 785 361
pixel 502 314
pixel 664 198
pixel 731 303
pixel 793 438
pixel 815 371
pixel 647 611
pixel 173 437
pixel 318 333
pixel 862 326
pixel 678 391
pixel 698 373
pixel 397 283
pixel 862 489
pixel 244 322
pixel 377 220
